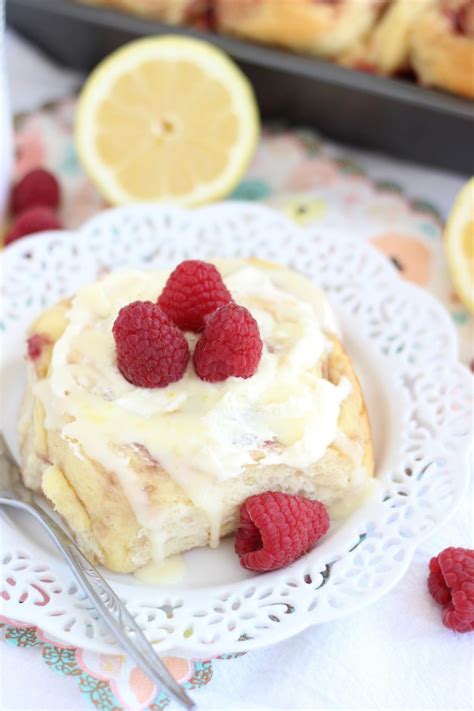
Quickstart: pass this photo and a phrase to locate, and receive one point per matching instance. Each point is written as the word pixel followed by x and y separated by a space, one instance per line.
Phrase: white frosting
pixel 201 433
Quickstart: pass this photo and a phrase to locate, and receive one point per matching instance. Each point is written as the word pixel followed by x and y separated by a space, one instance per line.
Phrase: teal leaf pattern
pixel 99 693
pixel 251 190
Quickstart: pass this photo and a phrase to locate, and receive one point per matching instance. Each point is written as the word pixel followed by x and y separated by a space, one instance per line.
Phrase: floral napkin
pixel 316 184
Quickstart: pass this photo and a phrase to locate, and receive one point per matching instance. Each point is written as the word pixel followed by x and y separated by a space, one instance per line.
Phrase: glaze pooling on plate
pixel 403 346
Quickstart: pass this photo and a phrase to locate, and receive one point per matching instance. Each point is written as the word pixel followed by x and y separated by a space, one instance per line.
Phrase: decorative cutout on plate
pixel 409 345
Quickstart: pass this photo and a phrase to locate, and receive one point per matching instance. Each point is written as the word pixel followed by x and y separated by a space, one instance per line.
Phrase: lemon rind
pixel 463 208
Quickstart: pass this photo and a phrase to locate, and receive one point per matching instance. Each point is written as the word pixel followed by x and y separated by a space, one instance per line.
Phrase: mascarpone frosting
pixel 201 433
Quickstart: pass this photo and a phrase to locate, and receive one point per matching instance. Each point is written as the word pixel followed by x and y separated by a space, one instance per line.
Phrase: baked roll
pixel 442 46
pixel 385 49
pixel 313 26
pixel 141 474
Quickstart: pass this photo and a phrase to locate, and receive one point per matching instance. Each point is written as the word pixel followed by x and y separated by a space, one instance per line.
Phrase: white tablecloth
pixel 393 655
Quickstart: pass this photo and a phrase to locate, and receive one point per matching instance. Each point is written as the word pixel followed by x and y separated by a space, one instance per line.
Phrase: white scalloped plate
pixel 419 399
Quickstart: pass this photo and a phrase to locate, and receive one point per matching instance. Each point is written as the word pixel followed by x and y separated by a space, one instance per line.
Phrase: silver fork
pixel 111 609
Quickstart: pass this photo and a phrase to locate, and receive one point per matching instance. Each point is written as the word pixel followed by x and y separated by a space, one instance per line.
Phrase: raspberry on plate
pixel 28 222
pixel 451 584
pixel 38 187
pixel 276 529
pixel 229 346
pixel 193 291
pixel 151 351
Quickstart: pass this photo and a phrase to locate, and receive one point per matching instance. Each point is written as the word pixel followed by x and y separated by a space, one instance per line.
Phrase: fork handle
pixel 108 604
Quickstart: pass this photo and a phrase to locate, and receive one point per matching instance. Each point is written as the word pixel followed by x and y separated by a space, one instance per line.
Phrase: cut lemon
pixel 459 244
pixel 166 119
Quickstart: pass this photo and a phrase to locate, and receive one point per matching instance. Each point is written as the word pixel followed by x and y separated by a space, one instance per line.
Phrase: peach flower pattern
pixel 408 254
pixel 141 685
pixel 312 173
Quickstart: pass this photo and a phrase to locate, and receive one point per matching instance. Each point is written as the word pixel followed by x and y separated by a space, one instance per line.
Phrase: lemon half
pixel 166 119
pixel 459 244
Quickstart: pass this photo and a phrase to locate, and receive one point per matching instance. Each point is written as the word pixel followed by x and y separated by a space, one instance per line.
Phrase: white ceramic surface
pixel 404 348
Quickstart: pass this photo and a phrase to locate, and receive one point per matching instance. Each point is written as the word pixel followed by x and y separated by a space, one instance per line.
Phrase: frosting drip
pixel 200 433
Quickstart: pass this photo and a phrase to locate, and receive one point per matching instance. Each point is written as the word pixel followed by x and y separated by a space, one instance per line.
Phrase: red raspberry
pixel 35 219
pixel 38 187
pixel 276 529
pixel 151 351
pixel 36 344
pixel 230 345
pixel 193 291
pixel 451 583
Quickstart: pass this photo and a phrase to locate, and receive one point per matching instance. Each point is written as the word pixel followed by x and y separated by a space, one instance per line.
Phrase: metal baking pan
pixel 390 115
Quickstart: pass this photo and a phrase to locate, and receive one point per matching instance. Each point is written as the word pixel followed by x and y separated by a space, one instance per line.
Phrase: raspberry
pixel 230 345
pixel 193 291
pixel 36 344
pixel 39 187
pixel 451 584
pixel 35 219
pixel 436 585
pixel 151 351
pixel 276 529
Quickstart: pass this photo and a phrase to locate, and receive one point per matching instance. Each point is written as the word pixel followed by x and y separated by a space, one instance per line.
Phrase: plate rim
pixel 259 210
